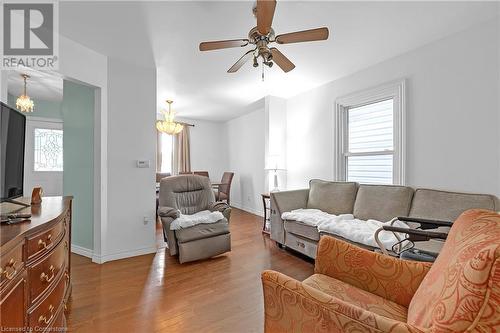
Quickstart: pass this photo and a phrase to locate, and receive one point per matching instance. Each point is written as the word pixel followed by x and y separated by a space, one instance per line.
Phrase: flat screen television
pixel 12 137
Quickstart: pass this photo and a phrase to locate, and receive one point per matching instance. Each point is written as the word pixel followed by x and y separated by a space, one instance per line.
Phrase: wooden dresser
pixel 35 276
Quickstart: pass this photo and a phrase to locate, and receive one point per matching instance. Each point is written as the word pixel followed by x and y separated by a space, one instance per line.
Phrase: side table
pixel 266 202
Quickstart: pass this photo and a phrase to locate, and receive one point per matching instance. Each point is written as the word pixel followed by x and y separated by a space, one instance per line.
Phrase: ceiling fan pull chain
pixel 263 72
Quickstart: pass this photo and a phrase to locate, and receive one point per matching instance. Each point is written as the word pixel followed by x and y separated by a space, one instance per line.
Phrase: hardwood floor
pixel 154 293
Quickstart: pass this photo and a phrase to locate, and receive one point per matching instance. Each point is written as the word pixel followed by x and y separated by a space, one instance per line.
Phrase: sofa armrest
pixel 385 276
pixel 164 211
pixel 167 216
pixel 222 207
pixel 281 202
pixel 290 200
pixel 291 306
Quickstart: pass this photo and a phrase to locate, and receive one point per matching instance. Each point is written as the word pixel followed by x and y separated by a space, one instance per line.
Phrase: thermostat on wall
pixel 143 163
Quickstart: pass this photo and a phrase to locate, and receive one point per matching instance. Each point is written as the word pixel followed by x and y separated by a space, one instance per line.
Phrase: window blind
pixel 370 143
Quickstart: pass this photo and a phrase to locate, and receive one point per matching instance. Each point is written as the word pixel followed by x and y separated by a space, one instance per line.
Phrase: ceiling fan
pixel 261 36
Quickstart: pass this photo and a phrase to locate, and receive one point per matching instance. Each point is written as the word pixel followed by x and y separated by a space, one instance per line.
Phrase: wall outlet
pixel 146 220
pixel 248 198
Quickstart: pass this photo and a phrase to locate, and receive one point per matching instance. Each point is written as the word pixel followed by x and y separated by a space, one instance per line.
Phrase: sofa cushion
pixel 200 231
pixel 382 202
pixel 302 229
pixel 447 206
pixel 332 197
pixel 461 291
pixel 358 297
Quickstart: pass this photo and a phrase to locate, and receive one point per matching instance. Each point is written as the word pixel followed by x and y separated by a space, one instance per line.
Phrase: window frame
pixel 33 165
pixel 396 91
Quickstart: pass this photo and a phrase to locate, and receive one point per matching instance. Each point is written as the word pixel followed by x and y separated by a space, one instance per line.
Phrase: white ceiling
pixel 40 85
pixel 167 34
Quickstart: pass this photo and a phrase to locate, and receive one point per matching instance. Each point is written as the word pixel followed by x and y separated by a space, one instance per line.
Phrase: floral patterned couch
pixel 356 290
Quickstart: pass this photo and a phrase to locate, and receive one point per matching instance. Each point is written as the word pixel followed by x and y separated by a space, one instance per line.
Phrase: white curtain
pixel 182 152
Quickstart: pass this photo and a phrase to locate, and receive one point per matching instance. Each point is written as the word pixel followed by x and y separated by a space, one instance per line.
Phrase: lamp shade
pixel 275 162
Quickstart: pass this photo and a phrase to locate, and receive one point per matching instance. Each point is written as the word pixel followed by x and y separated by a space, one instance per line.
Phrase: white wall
pixel 131 137
pixel 452 115
pixel 246 156
pixel 208 147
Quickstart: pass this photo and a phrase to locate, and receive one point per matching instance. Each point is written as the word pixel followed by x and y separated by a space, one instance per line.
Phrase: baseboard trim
pixel 123 254
pixel 247 209
pixel 82 251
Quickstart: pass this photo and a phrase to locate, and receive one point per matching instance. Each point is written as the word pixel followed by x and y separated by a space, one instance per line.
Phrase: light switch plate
pixel 143 163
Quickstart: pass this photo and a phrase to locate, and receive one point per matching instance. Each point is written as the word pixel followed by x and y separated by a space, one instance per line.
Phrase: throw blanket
pixel 204 216
pixel 363 232
pixel 346 226
pixel 314 217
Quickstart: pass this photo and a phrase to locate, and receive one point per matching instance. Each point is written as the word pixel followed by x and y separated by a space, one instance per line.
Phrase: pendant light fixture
pixel 24 103
pixel 168 125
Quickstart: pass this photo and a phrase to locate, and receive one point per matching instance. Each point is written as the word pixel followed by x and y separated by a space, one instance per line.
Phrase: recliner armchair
pixel 356 290
pixel 189 194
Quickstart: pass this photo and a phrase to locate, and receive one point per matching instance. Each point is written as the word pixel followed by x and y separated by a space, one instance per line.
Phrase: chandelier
pixel 168 125
pixel 24 103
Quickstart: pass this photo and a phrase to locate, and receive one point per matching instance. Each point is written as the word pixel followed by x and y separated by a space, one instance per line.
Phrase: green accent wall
pixel 78 177
pixel 45 109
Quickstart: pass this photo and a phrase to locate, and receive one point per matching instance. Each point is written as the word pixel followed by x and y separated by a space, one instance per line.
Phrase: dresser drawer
pixel 42 274
pixel 43 242
pixel 59 323
pixel 11 263
pixel 45 312
pixel 12 304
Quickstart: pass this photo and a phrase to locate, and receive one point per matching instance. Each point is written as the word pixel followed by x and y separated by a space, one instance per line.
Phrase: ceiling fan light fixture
pixel 262 35
pixel 24 103
pixel 255 62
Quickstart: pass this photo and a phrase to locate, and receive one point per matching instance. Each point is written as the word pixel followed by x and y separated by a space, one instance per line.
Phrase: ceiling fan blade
pixel 247 56
pixel 279 58
pixel 223 44
pixel 303 36
pixel 265 14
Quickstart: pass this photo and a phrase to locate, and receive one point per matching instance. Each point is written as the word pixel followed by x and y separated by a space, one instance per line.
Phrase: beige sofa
pixel 378 202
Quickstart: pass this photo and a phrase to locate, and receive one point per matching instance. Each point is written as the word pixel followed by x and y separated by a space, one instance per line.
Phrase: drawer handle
pixel 43 244
pixel 302 245
pixel 66 245
pixel 5 271
pixel 43 319
pixel 45 277
pixel 66 275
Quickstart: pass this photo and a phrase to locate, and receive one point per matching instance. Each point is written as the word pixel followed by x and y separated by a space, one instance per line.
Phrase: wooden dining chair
pixel 161 175
pixel 222 193
pixel 202 173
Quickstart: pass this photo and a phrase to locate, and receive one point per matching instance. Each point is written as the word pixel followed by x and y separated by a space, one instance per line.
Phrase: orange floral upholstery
pixel 355 290
pixel 358 297
pixel 388 277
pixel 292 306
pixel 462 290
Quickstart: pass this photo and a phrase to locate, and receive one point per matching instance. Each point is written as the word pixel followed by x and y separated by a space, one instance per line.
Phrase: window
pixel 48 149
pixel 370 140
pixel 166 152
